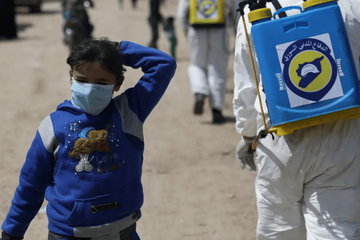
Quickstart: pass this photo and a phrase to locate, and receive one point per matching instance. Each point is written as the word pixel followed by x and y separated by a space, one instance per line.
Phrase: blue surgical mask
pixel 90 97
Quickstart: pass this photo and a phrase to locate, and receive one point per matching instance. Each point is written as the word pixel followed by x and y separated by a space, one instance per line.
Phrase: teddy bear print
pixel 89 140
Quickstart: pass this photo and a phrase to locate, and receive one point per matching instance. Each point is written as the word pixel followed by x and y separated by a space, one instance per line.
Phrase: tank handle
pixel 286 9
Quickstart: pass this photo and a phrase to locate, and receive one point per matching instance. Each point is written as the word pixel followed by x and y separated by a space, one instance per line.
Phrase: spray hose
pixel 253 5
pixel 262 133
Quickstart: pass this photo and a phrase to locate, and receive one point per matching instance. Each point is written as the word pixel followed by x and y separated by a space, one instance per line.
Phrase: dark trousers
pixel 154 19
pixel 8 28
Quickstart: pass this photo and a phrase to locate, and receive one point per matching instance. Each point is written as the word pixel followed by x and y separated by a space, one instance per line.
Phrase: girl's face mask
pixel 90 97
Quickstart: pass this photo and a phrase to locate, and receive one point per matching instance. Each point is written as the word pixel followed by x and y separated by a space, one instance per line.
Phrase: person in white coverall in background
pixel 209 54
pixel 308 182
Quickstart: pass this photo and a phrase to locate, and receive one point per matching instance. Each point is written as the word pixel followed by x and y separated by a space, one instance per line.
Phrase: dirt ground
pixel 194 189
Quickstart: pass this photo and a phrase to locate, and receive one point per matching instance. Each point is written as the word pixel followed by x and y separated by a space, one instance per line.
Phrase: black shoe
pixel 218 118
pixel 199 103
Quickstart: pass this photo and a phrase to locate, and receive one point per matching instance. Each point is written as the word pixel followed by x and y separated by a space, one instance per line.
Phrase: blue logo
pixel 207 7
pixel 309 69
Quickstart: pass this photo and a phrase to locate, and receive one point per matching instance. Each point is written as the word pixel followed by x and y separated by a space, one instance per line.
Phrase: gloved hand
pixel 5 236
pixel 244 155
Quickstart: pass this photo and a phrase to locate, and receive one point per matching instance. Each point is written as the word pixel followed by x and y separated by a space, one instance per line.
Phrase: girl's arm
pixel 35 176
pixel 158 68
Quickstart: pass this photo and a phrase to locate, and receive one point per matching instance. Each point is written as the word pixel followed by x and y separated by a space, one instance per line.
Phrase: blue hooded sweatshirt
pixel 89 167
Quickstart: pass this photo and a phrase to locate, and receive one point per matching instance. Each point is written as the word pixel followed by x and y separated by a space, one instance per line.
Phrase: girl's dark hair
pixel 103 51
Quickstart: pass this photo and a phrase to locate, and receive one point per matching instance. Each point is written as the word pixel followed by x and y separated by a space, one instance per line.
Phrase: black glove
pixel 5 236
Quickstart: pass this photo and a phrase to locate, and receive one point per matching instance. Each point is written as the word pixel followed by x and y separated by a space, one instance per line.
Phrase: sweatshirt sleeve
pixel 35 176
pixel 158 68
pixel 244 86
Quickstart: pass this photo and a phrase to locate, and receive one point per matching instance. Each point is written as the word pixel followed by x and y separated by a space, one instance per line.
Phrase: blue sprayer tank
pixel 306 64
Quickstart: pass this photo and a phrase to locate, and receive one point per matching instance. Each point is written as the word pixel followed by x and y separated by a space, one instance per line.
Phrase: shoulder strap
pixel 277 7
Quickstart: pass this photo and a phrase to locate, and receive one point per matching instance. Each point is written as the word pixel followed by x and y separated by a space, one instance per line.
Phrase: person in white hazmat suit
pixel 308 182
pixel 209 54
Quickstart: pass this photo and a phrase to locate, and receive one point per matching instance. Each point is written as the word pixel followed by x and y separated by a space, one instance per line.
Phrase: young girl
pixel 86 158
pixel 170 34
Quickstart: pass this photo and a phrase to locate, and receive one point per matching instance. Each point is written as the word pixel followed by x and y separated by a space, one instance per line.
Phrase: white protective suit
pixel 308 182
pixel 209 54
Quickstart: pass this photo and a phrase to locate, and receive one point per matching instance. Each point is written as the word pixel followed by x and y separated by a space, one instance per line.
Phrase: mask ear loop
pixel 71 76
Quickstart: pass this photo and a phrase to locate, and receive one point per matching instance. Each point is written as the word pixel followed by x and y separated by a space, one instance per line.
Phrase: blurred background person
pixel 154 19
pixel 208 43
pixel 8 28
pixel 77 9
pixel 133 3
pixel 169 29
